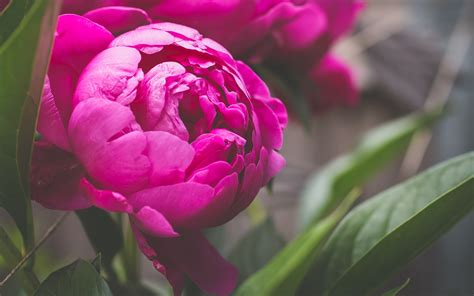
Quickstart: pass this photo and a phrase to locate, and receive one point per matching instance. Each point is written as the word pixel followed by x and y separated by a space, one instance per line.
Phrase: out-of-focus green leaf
pixel 287 269
pixel 256 249
pixel 103 233
pixel 386 232
pixel 11 257
pixel 12 16
pixel 326 189
pixel 397 290
pixel 77 279
pixel 24 58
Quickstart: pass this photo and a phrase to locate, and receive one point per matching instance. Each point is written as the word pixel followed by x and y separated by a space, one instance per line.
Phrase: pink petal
pixel 259 90
pixel 94 122
pixel 55 179
pixel 170 271
pixel 146 39
pixel 105 199
pixel 152 93
pixel 77 41
pixel 276 162
pixel 50 122
pixel 154 223
pixel 119 19
pixel 331 83
pixel 183 204
pixel 270 129
pixel 212 173
pixel 113 75
pixel 193 255
pixel 341 15
pixel 170 157
pixel 118 164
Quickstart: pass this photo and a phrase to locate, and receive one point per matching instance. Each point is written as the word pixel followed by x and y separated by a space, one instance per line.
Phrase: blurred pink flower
pixel 293 34
pixel 159 123
pixel 331 83
pixel 3 4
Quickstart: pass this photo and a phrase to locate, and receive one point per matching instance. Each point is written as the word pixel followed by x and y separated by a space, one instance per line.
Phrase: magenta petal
pixel 331 83
pixel 152 94
pixel 122 164
pixel 119 19
pixel 146 39
pixel 55 179
pixel 170 271
pixel 169 156
pixel 182 204
pixel 271 132
pixel 50 123
pixel 193 255
pixel 117 164
pixel 77 41
pixel 259 91
pixel 113 75
pixel 276 162
pixel 94 122
pixel 105 199
pixel 202 263
pixel 212 173
pixel 154 223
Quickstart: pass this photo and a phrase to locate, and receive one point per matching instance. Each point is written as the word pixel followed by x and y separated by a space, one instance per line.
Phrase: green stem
pixel 129 255
pixel 12 256
pixel 257 212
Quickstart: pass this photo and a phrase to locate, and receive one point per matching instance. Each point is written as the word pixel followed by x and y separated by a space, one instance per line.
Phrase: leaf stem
pixel 31 252
pixel 11 255
pixel 129 254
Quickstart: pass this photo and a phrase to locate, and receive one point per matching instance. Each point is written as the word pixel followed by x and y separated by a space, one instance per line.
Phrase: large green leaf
pixel 24 58
pixel 77 279
pixel 256 249
pixel 287 269
pixel 326 189
pixel 384 233
pixel 12 16
pixel 103 233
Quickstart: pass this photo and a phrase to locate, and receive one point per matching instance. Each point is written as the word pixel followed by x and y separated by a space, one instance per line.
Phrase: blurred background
pixel 406 54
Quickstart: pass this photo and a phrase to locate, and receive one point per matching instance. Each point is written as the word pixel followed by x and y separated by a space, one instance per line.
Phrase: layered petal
pixel 183 204
pixel 107 79
pixel 119 19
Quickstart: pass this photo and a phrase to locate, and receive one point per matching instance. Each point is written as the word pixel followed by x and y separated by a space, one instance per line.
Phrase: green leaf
pixel 326 189
pixel 256 249
pixel 397 290
pixel 12 16
pixel 384 233
pixel 77 279
pixel 11 257
pixel 24 58
pixel 285 271
pixel 97 262
pixel 103 233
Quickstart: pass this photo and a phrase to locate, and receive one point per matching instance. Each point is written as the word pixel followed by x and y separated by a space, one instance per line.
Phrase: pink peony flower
pixel 159 123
